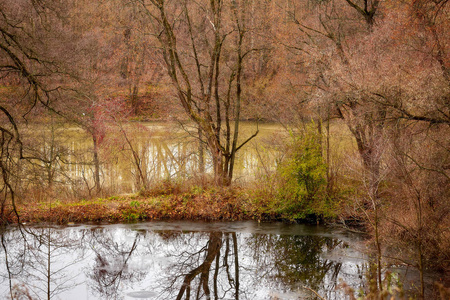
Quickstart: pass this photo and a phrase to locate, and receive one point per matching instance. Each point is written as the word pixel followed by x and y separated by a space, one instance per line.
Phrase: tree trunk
pixel 96 163
pixel 201 152
pixel 329 177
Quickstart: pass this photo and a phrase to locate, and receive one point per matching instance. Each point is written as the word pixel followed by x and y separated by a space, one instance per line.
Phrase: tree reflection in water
pixel 38 261
pixel 207 273
pixel 300 262
pixel 111 269
pixel 277 265
pixel 122 262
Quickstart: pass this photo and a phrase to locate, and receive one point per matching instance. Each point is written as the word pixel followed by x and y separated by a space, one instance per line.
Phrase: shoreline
pixel 206 206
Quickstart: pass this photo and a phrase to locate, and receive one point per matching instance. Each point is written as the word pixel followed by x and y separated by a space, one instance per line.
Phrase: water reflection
pixel 39 262
pixel 110 269
pixel 131 158
pixel 306 261
pixel 175 261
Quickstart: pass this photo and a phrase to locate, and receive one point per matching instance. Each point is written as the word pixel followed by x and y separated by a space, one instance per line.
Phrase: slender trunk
pixel 142 178
pixel 48 267
pixel 236 264
pixel 421 271
pixel 49 164
pixel 201 152
pixel 96 166
pixel 216 275
pixel 329 183
pixel 420 253
pixel 378 245
pixel 10 275
pixel 241 30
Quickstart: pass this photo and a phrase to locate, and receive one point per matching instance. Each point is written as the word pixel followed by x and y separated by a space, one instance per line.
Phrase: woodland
pixel 378 71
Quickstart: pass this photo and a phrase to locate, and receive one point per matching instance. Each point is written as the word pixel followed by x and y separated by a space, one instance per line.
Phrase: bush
pixel 302 176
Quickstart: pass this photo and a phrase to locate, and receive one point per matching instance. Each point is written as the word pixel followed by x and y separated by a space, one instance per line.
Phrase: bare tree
pixel 206 69
pixel 24 62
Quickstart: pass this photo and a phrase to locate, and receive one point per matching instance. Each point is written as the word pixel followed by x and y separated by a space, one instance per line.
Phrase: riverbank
pixel 211 205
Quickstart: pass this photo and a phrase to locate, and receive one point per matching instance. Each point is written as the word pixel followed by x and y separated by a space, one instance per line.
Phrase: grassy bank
pixel 211 204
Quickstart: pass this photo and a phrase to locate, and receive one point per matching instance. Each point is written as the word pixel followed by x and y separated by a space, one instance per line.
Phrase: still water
pixel 179 260
pixel 135 155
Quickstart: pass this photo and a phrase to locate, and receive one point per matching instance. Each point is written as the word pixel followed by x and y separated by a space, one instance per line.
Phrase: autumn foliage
pixel 362 89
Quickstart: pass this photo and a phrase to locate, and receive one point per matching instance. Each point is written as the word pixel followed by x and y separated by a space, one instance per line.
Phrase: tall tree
pixel 203 45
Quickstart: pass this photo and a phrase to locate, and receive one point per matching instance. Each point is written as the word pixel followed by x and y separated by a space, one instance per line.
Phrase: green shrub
pixel 302 176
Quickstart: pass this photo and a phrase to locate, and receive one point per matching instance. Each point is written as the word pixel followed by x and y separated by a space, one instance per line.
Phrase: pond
pixel 180 260
pixel 134 154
